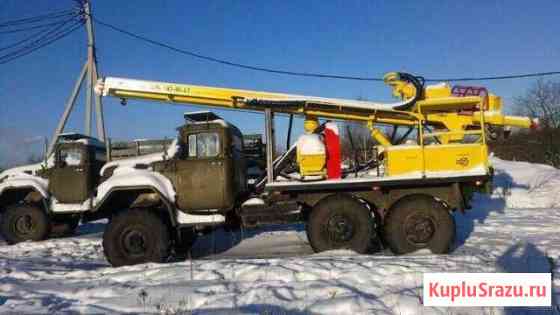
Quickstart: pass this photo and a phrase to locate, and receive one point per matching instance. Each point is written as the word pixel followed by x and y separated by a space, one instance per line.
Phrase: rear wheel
pixel 23 222
pixel 136 236
pixel 419 222
pixel 341 222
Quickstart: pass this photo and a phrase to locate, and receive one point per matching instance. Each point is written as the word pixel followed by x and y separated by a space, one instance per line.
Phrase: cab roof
pixel 73 137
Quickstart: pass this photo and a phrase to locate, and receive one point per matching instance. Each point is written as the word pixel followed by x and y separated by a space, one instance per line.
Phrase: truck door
pixel 199 180
pixel 70 178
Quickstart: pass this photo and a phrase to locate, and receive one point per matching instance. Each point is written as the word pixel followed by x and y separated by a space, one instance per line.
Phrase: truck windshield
pixel 204 145
pixel 70 157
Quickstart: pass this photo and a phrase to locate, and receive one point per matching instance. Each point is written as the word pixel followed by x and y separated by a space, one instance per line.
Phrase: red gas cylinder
pixel 332 143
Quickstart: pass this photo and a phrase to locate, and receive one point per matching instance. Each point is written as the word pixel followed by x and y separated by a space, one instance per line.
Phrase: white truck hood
pixel 30 169
pixel 143 159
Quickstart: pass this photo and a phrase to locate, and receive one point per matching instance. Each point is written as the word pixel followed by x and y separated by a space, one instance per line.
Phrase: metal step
pixel 277 213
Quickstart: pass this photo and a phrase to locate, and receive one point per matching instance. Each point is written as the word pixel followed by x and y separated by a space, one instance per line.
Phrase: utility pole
pixel 90 74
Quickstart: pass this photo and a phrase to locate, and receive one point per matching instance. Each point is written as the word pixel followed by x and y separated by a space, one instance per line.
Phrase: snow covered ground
pixel 274 271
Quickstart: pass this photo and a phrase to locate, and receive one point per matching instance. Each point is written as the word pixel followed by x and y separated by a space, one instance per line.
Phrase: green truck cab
pixel 159 203
pixel 50 197
pixel 209 172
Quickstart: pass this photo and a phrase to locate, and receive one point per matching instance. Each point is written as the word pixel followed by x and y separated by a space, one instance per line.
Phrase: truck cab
pixel 209 172
pixel 75 173
pixel 50 197
pixel 172 196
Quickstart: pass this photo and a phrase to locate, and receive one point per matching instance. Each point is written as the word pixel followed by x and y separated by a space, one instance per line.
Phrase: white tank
pixel 311 155
pixel 311 144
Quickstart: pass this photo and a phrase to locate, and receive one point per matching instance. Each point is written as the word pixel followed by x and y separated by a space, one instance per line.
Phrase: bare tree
pixel 542 101
pixel 356 141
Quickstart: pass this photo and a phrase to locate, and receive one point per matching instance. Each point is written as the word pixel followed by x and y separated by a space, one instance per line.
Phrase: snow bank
pixel 526 185
pixel 71 275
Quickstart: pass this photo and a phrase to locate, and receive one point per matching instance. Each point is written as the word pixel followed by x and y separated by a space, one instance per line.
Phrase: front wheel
pixel 136 236
pixel 419 222
pixel 23 222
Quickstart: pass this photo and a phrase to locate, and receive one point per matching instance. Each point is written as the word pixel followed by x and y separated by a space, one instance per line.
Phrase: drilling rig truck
pixel 430 157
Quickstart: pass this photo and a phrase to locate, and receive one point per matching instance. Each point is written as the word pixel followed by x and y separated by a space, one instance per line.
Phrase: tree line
pixel 541 101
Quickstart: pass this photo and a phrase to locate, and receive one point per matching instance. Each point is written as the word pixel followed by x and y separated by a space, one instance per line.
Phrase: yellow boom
pixel 438 107
pixel 434 111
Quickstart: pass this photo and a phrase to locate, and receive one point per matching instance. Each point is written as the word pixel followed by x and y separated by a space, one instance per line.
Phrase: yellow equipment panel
pixel 444 158
pixel 402 160
pixel 456 157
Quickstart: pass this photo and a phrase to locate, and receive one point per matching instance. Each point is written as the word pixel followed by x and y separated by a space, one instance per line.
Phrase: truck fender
pixel 450 195
pixel 23 187
pixel 133 187
pixel 127 197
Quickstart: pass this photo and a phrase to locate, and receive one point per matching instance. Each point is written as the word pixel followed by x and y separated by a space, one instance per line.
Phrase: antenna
pixel 89 72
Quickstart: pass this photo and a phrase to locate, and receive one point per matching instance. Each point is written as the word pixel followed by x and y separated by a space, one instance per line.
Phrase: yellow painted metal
pixel 401 89
pixel 437 108
pixel 437 91
pixel 378 135
pixel 494 103
pixel 310 124
pixel 447 104
pixel 436 159
pixel 438 115
pixel 234 98
pixel 311 164
pixel 403 160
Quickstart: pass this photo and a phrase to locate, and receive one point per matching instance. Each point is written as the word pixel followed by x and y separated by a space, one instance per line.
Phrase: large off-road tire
pixel 418 222
pixel 341 222
pixel 23 222
pixel 64 226
pixel 136 236
pixel 184 245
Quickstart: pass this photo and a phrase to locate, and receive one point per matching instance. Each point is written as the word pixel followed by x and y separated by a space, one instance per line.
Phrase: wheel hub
pixel 134 243
pixel 340 229
pixel 419 229
pixel 24 225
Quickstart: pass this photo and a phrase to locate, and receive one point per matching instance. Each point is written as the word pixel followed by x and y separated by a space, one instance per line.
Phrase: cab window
pixel 70 157
pixel 203 145
pixel 100 156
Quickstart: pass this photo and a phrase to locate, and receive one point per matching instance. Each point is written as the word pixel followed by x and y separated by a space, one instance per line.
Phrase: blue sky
pixel 361 38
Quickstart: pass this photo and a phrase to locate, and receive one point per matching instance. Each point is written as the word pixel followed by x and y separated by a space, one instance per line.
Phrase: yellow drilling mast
pixel 450 128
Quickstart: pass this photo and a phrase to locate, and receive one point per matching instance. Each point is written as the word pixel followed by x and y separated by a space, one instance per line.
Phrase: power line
pixel 38 18
pixel 230 63
pixel 308 74
pixel 499 77
pixel 45 41
pixel 26 39
pixel 45 36
pixel 33 27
